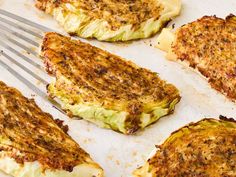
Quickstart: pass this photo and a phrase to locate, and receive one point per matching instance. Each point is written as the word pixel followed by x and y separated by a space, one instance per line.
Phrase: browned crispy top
pixel 116 12
pixel 209 45
pixel 96 76
pixel 28 134
pixel 203 149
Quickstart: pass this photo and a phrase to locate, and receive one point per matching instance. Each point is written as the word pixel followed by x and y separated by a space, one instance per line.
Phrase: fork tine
pixel 17 26
pixel 27 49
pixel 9 31
pixel 22 79
pixel 6 40
pixel 24 68
pixel 25 21
pixel 28 60
pixel 31 86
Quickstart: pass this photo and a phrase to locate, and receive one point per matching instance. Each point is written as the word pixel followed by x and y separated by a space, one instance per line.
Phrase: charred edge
pixel 230 16
pixel 73 34
pixel 221 117
pixel 60 123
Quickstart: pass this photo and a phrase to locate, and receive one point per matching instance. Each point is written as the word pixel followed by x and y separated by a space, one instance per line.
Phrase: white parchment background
pixel 119 155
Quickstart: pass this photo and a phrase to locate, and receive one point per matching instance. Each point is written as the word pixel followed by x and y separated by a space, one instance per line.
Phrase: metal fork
pixel 18 39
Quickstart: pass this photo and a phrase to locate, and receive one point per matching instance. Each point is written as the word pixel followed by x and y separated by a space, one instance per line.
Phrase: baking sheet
pixel 118 154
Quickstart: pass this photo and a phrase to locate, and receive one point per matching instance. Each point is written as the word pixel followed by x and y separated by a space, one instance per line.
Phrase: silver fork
pixel 18 39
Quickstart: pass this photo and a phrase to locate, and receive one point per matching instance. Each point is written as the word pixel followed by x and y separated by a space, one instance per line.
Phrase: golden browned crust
pixel 43 4
pixel 98 77
pixel 34 135
pixel 116 13
pixel 209 45
pixel 205 149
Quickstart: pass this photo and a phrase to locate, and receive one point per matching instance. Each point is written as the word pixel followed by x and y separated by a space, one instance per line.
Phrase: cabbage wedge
pixel 34 145
pixel 111 20
pixel 208 45
pixel 103 88
pixel 205 148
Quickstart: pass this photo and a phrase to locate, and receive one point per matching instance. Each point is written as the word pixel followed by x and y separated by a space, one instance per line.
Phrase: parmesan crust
pixel 206 148
pixel 209 46
pixel 87 77
pixel 110 20
pixel 32 143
